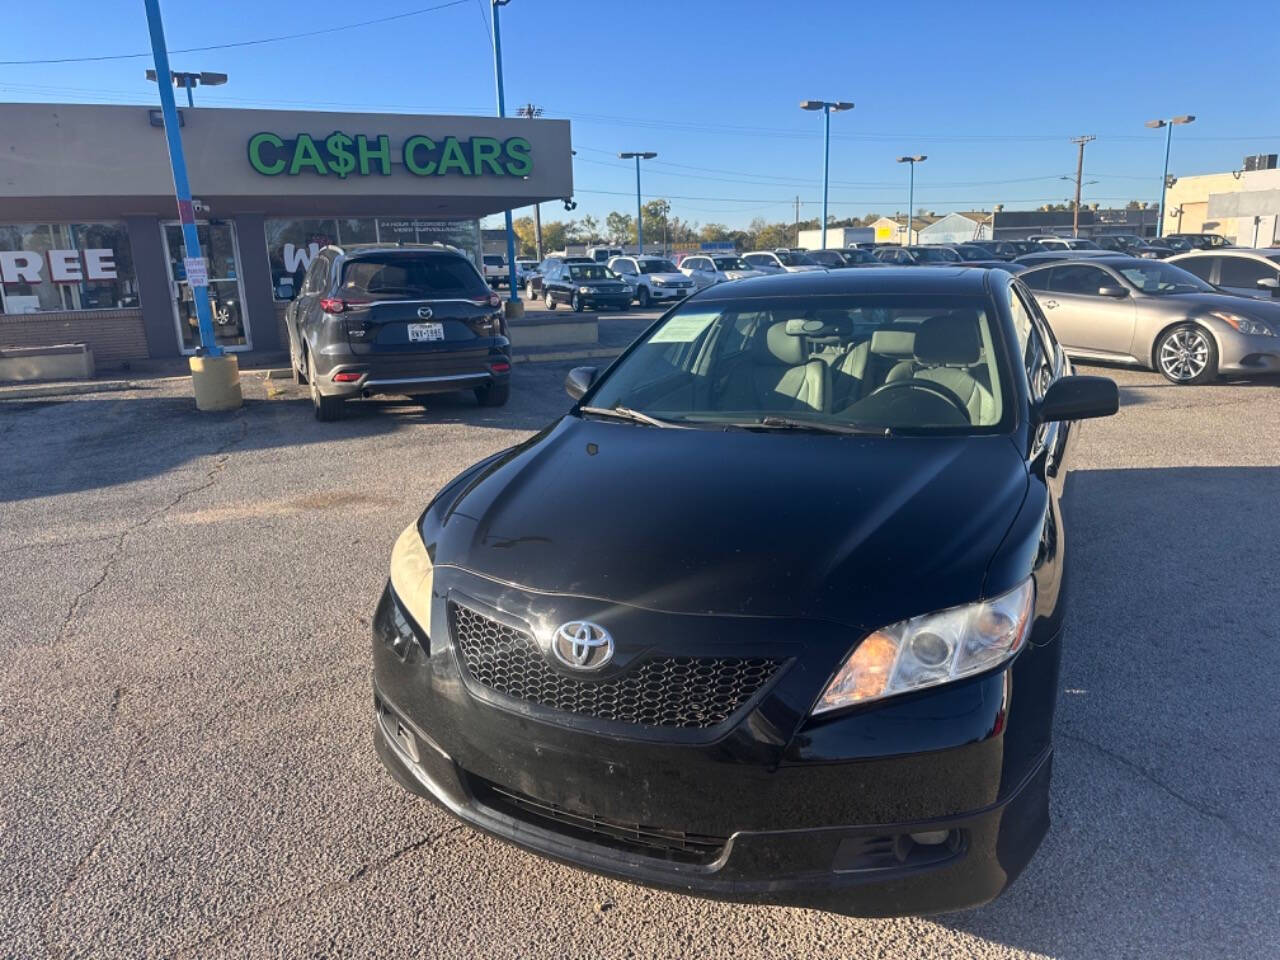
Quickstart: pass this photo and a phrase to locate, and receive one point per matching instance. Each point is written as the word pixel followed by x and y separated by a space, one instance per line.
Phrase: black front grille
pixel 661 691
pixel 674 845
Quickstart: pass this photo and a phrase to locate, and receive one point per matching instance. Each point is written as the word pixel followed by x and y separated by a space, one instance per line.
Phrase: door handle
pixel 1051 304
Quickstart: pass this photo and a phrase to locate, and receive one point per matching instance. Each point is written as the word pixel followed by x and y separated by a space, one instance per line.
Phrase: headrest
pixel 894 343
pixel 950 340
pixel 819 326
pixel 784 347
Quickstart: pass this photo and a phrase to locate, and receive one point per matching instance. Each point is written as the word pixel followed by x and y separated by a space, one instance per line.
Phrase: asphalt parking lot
pixel 186 765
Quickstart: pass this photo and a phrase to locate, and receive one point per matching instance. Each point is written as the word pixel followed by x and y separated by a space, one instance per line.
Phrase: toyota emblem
pixel 424 313
pixel 582 645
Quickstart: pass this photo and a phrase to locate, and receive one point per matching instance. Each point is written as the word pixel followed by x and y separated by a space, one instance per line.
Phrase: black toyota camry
pixel 773 613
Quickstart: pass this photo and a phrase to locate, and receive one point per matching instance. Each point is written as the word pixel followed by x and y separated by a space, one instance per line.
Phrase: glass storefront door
pixel 226 292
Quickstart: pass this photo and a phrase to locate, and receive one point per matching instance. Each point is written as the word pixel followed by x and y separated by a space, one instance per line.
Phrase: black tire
pixel 299 377
pixel 1187 355
pixel 576 303
pixel 530 294
pixel 644 298
pixel 547 301
pixel 326 409
pixel 494 394
pixel 625 306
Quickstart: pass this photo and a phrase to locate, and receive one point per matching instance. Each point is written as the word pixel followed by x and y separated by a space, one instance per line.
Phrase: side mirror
pixel 1269 283
pixel 1078 398
pixel 580 379
pixel 1117 293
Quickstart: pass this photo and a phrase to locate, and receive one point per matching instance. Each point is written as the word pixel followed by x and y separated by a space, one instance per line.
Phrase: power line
pixel 241 43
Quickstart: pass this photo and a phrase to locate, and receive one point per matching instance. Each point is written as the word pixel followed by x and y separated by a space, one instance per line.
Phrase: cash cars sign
pixel 343 155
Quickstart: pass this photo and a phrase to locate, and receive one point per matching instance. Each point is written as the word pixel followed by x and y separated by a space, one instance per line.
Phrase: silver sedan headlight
pixel 932 649
pixel 1246 325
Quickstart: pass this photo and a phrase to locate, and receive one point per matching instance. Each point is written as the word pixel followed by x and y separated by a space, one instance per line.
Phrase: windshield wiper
pixel 814 426
pixel 626 413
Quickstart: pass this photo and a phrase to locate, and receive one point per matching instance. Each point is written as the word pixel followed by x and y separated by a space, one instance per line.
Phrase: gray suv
pixel 412 319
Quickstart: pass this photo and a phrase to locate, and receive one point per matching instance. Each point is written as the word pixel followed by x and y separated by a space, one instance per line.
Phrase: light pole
pixel 531 112
pixel 1168 141
pixel 826 106
pixel 639 214
pixel 911 188
pixel 502 112
pixel 188 81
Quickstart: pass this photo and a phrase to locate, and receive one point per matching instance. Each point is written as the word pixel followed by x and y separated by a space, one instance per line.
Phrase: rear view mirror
pixel 580 379
pixel 1119 293
pixel 1078 398
pixel 1269 283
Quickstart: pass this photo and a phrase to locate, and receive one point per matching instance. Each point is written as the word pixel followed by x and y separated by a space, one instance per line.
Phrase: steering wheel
pixel 927 386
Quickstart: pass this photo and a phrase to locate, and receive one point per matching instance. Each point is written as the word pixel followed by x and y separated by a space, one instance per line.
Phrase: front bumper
pixel 767 807
pixel 1246 355
pixel 669 293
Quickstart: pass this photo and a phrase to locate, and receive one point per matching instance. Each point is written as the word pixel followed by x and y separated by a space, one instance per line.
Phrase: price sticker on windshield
pixel 683 329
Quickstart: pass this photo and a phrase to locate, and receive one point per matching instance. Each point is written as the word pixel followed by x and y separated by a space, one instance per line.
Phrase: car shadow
pixel 1165 758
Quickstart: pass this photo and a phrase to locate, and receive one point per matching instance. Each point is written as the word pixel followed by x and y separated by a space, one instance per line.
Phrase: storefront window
pixel 293 244
pixel 65 266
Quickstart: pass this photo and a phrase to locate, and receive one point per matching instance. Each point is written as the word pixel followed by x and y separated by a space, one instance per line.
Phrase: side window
pixel 1240 271
pixel 1021 319
pixel 316 276
pixel 1037 355
pixel 1036 279
pixel 1078 279
pixel 1202 267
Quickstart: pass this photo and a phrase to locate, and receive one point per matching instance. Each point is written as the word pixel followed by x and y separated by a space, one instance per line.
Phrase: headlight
pixel 932 649
pixel 412 575
pixel 584 289
pixel 1247 325
pixel 659 282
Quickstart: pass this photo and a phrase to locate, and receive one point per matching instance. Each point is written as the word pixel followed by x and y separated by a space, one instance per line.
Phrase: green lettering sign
pixel 255 154
pixel 382 154
pixel 412 148
pixel 344 155
pixel 306 154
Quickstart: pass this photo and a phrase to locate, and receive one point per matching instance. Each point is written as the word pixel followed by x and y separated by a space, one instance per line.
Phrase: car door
pixel 1241 276
pixel 553 283
pixel 305 308
pixel 1081 318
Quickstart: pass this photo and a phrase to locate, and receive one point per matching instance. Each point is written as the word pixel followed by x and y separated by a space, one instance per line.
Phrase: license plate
pixel 420 332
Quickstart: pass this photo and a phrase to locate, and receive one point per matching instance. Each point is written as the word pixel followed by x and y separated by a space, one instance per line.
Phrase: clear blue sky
pixel 990 91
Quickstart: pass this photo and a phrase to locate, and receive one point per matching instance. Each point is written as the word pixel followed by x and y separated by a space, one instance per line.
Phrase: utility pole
pixel 514 297
pixel 1075 210
pixel 797 221
pixel 531 112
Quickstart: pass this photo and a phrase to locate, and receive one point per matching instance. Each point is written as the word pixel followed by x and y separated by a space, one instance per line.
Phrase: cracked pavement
pixel 186 767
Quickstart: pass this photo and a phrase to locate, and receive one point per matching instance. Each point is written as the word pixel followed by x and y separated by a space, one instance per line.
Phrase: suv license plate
pixel 419 332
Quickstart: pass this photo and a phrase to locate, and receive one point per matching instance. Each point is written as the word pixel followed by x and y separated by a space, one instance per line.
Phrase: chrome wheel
pixel 1184 354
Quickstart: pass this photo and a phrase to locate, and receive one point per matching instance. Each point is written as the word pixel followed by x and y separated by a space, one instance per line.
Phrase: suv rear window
pixel 411 276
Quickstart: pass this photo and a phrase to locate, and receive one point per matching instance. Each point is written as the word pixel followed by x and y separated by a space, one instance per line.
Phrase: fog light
pixel 931 838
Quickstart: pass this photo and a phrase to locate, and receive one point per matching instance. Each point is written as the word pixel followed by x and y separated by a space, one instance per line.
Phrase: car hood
pixel 1227 302
pixel 802 267
pixel 666 276
pixel 857 530
pixel 742 274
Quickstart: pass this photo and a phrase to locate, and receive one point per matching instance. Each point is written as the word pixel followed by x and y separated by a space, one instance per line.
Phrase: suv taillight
pixel 338 305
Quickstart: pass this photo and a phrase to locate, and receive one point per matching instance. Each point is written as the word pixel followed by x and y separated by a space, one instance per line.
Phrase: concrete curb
pixel 559 356
pixel 65 389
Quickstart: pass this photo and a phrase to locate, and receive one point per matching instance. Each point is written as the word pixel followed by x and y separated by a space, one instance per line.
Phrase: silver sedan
pixel 1152 314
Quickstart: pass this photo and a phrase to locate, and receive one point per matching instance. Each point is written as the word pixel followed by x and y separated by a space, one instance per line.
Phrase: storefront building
pixel 91 251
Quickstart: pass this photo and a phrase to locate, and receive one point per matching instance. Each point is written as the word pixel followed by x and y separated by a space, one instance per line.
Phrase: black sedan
pixel 772 613
pixel 582 285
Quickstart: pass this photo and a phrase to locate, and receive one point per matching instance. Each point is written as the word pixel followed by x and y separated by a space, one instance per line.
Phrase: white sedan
pixel 781 261
pixel 705 270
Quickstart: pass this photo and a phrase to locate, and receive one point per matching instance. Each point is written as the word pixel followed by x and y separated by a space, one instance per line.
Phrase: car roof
pixel 353 249
pixel 1254 252
pixel 970 281
pixel 1110 260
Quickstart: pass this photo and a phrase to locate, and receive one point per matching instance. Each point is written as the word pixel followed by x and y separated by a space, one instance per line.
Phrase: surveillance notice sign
pixel 197 270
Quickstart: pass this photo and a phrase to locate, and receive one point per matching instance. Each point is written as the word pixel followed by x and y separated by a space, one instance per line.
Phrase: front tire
pixel 493 394
pixel 326 409
pixel 644 298
pixel 577 303
pixel 548 302
pixel 1186 355
pixel 530 294
pixel 299 377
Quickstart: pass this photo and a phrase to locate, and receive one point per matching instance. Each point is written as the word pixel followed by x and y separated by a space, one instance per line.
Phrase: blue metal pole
pixel 911 197
pixel 1164 180
pixel 190 99
pixel 502 112
pixel 639 214
pixel 826 159
pixel 178 161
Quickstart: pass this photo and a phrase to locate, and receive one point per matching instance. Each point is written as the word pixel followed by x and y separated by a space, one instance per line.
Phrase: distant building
pixel 1242 205
pixel 894 229
pixel 958 228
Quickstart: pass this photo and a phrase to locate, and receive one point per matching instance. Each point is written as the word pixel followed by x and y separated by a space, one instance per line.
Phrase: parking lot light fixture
pixel 638 156
pixel 1168 141
pixel 189 81
pixel 826 106
pixel 514 295
pixel 911 187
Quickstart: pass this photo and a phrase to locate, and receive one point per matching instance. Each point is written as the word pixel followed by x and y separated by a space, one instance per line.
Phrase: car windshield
pixel 1159 279
pixel 411 276
pixel 827 258
pixel 848 364
pixel 935 255
pixel 589 272
pixel 657 266
pixel 492 261
pixel 973 253
pixel 859 256
pixel 732 263
pixel 1074 244
pixel 793 259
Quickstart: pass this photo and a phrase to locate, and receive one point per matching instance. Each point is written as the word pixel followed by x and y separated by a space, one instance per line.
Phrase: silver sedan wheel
pixel 1184 354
